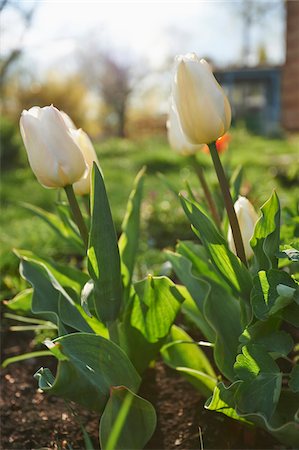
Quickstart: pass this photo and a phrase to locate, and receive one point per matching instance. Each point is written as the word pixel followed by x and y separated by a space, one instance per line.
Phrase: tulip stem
pixel 228 202
pixel 208 195
pixel 77 215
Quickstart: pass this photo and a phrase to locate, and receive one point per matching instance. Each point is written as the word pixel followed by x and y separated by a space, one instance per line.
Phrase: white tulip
pixel 176 137
pixel 54 156
pixel 82 186
pixel 202 106
pixel 247 218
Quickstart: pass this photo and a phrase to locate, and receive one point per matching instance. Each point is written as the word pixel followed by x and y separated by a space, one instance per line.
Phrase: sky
pixel 153 31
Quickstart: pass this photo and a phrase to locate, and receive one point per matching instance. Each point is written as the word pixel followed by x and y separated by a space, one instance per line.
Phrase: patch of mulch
pixel 32 420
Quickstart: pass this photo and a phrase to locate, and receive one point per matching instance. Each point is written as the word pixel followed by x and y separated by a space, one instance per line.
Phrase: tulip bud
pixel 176 137
pixel 54 156
pixel 82 186
pixel 203 109
pixel 247 218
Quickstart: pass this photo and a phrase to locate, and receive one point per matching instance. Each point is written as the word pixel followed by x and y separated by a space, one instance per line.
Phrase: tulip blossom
pixel 203 109
pixel 247 218
pixel 176 137
pixel 82 186
pixel 53 153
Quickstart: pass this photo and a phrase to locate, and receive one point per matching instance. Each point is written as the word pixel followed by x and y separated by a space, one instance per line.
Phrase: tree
pixel 26 16
pixel 113 75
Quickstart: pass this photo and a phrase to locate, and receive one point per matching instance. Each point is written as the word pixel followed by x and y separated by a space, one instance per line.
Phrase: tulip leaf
pixel 260 390
pixel 266 334
pixel 272 291
pixel 103 253
pixel 70 278
pixel 128 241
pixel 197 288
pixel 294 378
pixel 226 263
pixel 284 423
pixel 223 313
pixel 127 422
pixel 61 228
pixel 50 300
pixel 183 354
pixel 222 401
pixel 265 239
pixel 21 302
pixel 89 366
pixel 155 306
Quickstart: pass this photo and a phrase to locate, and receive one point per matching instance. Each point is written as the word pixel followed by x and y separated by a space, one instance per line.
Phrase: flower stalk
pixel 77 215
pixel 208 195
pixel 228 202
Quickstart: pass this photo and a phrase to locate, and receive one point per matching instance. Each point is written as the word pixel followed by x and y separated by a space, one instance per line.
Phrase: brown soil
pixel 32 420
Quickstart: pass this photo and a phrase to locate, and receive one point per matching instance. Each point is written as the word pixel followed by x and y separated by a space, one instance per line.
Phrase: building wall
pixel 290 75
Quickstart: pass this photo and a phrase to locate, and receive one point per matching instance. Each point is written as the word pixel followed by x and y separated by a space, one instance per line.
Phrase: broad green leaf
pixel 197 288
pixel 223 313
pixel 265 239
pixel 127 422
pixel 199 258
pixel 294 379
pixel 291 314
pixel 50 300
pixel 59 226
pixel 272 291
pixel 103 253
pixel 226 263
pixel 89 366
pixel 70 278
pixel 260 390
pixel 190 310
pixel 222 400
pixel 155 307
pixel 128 241
pixel 267 334
pixel 284 423
pixel 183 354
pixel 21 302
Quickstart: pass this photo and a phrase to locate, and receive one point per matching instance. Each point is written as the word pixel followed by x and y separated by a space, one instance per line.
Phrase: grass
pixel 268 164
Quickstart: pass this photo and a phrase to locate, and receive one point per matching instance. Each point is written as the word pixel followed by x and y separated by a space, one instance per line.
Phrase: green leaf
pixel 222 401
pixel 89 366
pixel 265 239
pixel 226 263
pixel 291 314
pixel 155 307
pixel 294 379
pixel 267 334
pixel 21 302
pixel 61 228
pixel 25 356
pixel 103 253
pixel 50 300
pixel 197 288
pixel 236 183
pixel 70 278
pixel 184 355
pixel 128 421
pixel 128 241
pixel 260 390
pixel 223 313
pixel 272 291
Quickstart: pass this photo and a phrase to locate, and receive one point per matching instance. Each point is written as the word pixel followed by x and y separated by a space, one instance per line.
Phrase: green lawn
pixel 268 164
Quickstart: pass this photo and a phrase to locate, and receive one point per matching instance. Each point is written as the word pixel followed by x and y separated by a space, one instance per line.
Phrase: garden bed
pixel 32 420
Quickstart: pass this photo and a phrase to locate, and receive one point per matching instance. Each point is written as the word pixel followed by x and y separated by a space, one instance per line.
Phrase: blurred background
pixel 109 66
